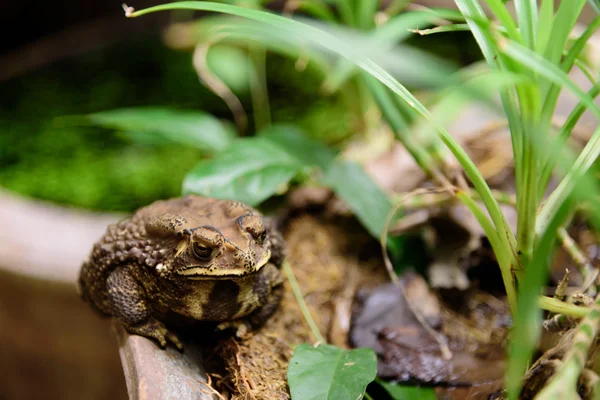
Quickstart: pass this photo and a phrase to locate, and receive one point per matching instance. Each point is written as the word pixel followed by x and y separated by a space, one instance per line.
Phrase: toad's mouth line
pixel 204 273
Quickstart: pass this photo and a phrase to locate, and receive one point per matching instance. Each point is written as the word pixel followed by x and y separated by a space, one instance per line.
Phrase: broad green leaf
pixel 368 201
pixel 190 128
pixel 253 169
pixel 400 392
pixel 306 150
pixel 330 373
pixel 250 170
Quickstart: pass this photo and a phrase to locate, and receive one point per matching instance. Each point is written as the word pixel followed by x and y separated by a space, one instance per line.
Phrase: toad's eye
pixel 259 235
pixel 202 252
pixel 262 237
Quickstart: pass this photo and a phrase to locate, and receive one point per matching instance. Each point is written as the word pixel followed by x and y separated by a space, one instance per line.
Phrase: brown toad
pixel 195 257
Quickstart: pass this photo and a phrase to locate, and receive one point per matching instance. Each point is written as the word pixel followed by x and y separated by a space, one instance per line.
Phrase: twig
pixel 587 271
pixel 561 289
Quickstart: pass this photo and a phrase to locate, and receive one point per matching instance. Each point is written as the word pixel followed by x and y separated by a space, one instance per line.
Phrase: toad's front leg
pixel 129 304
pixel 269 288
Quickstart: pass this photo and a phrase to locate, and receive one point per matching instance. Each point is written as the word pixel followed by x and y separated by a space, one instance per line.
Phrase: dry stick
pixel 586 269
pixel 561 289
pixel 556 322
pixel 212 390
pixel 446 353
pixel 217 86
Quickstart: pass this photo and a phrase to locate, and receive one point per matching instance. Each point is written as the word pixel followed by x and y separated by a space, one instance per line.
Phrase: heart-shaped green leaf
pixel 250 170
pixel 330 373
pixel 189 128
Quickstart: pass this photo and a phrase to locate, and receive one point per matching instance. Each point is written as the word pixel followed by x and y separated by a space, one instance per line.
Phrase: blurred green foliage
pixel 50 158
pixel 90 167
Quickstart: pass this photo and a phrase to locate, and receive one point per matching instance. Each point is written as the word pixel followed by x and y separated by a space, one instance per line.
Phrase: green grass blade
pixel 394 31
pixel 443 29
pixel 564 21
pixel 591 150
pixel 545 25
pixel 496 243
pixel 476 17
pixel 562 25
pixel 346 14
pixel 365 13
pixel 527 17
pixel 317 9
pixel 584 162
pixel 506 20
pixel 552 98
pixel 562 137
pixel 473 12
pixel 227 29
pixel 400 126
pixel 595 5
pixel 551 72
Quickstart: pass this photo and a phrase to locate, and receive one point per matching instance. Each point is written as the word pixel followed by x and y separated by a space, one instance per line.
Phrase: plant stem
pixel 287 270
pixel 560 307
pixel 494 239
pixel 258 89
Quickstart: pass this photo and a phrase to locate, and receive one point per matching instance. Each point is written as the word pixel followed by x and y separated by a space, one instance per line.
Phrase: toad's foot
pixel 242 328
pixel 152 328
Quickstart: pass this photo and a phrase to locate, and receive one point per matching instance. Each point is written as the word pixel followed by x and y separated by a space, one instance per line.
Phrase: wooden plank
pixel 152 373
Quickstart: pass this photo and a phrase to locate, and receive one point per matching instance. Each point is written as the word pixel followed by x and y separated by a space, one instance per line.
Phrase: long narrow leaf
pixel 552 98
pixel 527 17
pixel 394 31
pixel 366 13
pixel 544 25
pixel 562 137
pixel 506 20
pixel 564 21
pixel 496 244
pixel 591 150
